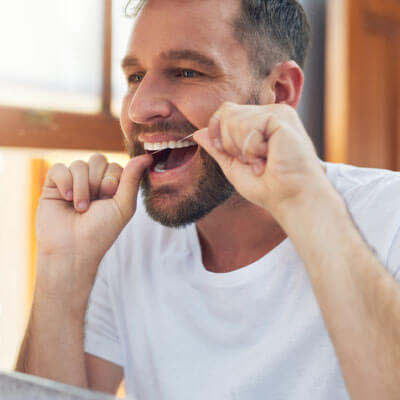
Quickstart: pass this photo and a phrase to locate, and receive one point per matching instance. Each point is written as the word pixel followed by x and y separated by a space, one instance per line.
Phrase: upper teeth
pixel 169 145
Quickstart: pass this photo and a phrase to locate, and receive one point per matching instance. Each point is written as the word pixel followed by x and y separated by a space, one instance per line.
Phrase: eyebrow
pixel 176 55
pixel 190 55
pixel 130 61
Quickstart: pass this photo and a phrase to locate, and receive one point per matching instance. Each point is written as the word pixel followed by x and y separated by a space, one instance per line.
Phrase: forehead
pixel 200 25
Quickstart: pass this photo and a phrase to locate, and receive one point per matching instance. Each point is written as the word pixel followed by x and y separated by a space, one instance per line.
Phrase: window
pixel 60 88
pixel 60 80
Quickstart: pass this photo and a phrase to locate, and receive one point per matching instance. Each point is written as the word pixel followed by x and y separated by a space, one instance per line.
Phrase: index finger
pixel 59 177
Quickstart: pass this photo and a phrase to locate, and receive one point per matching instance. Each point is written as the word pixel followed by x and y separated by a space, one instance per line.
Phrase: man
pixel 273 292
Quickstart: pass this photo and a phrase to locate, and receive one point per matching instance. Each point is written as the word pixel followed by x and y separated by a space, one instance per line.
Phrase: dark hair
pixel 271 31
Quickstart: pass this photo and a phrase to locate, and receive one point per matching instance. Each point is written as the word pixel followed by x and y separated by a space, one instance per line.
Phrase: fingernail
pixel 69 195
pixel 83 205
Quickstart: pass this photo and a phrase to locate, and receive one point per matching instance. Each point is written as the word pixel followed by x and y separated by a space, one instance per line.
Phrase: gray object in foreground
pixel 17 386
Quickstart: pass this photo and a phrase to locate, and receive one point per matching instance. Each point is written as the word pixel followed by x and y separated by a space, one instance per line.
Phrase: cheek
pixel 199 105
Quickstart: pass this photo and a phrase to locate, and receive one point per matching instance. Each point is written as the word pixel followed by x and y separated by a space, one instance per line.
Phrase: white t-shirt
pixel 182 332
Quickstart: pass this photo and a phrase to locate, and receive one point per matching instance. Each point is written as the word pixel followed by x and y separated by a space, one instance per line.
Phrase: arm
pixel 103 376
pixel 71 243
pixel 53 343
pixel 281 173
pixel 359 299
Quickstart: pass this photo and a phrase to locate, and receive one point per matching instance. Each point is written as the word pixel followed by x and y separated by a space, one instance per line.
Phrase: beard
pixel 211 190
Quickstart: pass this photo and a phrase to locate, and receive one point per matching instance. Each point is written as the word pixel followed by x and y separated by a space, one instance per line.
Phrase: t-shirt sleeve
pixel 393 260
pixel 101 335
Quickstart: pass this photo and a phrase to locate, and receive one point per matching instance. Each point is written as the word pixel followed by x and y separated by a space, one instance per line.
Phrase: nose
pixel 150 100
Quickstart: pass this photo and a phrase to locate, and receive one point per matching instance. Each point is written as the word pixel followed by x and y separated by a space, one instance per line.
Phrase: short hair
pixel 271 31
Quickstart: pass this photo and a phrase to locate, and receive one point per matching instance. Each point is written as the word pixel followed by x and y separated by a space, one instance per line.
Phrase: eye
pixel 188 73
pixel 135 78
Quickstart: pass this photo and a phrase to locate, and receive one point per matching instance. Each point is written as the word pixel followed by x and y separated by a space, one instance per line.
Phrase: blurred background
pixel 61 88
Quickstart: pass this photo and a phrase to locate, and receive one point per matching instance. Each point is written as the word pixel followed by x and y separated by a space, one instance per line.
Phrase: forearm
pixel 359 300
pixel 53 344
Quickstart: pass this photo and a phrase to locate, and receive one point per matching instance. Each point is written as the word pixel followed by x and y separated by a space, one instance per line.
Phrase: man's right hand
pixel 81 212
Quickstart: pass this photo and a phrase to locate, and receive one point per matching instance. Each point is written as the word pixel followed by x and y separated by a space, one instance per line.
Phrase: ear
pixel 286 81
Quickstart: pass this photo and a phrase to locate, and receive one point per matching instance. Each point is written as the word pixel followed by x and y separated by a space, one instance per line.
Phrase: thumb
pixel 129 183
pixel 203 139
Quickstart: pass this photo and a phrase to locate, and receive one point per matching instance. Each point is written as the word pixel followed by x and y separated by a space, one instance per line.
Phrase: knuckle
pixel 78 164
pixel 97 158
pixel 57 168
pixel 59 174
pixel 115 167
pixel 228 105
pixel 222 111
pixel 226 109
pixel 224 105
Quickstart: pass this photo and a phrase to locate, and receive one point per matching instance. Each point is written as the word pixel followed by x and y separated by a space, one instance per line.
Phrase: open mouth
pixel 170 159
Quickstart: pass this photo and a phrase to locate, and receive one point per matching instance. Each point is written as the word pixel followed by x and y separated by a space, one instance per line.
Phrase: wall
pixel 14 248
pixel 311 107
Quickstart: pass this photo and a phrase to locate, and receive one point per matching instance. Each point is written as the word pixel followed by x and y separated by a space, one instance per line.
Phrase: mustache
pixel 165 126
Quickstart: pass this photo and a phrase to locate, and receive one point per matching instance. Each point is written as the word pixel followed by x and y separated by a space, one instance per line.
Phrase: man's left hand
pixel 265 153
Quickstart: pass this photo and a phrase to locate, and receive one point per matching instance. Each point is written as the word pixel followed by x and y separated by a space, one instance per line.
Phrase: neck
pixel 236 234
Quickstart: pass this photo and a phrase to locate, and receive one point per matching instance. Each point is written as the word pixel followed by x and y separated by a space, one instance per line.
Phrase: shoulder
pixel 372 197
pixel 364 185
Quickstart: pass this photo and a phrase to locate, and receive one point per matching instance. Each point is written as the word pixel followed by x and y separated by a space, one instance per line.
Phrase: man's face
pixel 182 63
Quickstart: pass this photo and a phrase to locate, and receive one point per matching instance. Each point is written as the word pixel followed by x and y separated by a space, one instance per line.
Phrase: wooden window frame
pixel 362 96
pixel 38 128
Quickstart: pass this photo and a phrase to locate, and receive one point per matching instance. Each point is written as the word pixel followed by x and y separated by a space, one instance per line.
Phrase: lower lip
pixel 175 172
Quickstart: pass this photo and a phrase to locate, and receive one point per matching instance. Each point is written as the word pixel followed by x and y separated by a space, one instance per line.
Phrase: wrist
pixel 65 279
pixel 313 207
pixel 60 310
pixel 320 227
